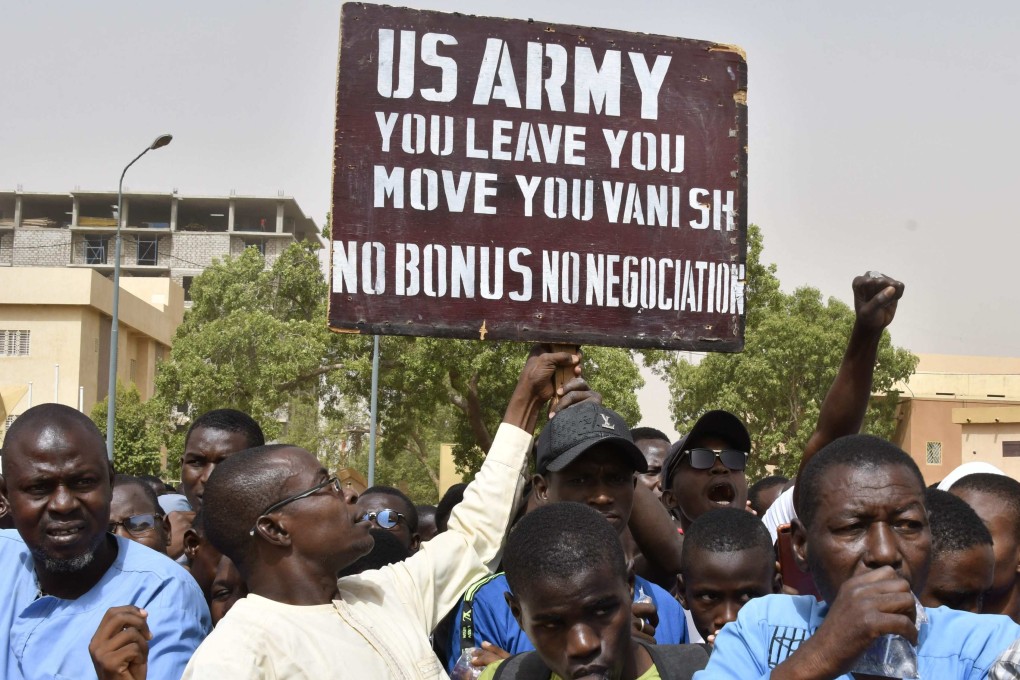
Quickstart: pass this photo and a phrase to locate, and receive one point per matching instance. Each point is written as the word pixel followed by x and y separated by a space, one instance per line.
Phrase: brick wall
pixel 195 250
pixel 6 248
pixel 42 247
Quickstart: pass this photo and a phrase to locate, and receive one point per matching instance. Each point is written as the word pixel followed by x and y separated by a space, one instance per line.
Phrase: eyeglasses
pixel 704 459
pixel 136 525
pixel 385 519
pixel 296 497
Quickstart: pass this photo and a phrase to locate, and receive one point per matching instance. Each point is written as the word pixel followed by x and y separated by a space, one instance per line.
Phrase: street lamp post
pixel 111 411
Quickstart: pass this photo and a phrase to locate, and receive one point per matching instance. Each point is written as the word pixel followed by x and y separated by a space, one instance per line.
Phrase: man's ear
pixel 272 531
pixel 777 580
pixel 669 500
pixel 515 608
pixel 415 543
pixel 5 506
pixel 681 591
pixel 540 487
pixel 191 541
pixel 798 542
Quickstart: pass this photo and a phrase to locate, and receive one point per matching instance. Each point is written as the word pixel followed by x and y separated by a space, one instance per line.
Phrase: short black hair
pixel 954 524
pixel 1003 488
pixel 558 540
pixel 453 496
pixel 863 451
pixel 410 512
pixel 725 530
pixel 229 420
pixel 48 414
pixel 130 480
pixel 638 433
pixel 160 487
pixel 238 490
pixel 387 550
pixel 755 491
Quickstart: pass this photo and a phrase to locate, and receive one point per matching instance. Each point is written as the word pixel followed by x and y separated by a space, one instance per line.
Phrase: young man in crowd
pixel 764 493
pixel 135 513
pixel 728 561
pixel 290 528
pixel 655 447
pixel 863 534
pixel 962 560
pixel 391 510
pixel 705 469
pixel 584 455
pixel 212 437
pixel 570 590
pixel 65 578
pixel 996 500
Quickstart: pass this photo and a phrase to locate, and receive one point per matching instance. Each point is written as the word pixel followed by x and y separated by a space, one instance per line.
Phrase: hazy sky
pixel 883 135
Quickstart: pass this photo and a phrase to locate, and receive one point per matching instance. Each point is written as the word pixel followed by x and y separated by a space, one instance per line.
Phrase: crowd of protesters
pixel 593 551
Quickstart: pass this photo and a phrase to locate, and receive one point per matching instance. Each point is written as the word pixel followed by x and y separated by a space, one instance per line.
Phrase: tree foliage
pixel 136 439
pixel 794 344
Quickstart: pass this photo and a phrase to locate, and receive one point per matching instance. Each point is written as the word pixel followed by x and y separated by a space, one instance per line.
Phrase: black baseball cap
pixel 576 429
pixel 721 424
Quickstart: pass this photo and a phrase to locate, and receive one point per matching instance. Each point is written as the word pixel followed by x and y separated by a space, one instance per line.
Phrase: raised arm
pixel 875 298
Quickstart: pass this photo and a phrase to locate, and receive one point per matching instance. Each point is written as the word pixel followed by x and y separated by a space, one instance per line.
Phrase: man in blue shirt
pixel 585 455
pixel 863 535
pixel 62 571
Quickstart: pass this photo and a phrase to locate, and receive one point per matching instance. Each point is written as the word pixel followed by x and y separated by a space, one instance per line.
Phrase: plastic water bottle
pixel 463 670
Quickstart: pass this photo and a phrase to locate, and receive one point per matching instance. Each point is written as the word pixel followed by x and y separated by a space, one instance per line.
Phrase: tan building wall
pixel 67 313
pixel 966 408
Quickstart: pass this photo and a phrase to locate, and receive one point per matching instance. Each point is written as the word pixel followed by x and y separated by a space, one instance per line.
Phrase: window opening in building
pixel 15 343
pixel 1011 449
pixel 95 249
pixel 933 453
pixel 148 251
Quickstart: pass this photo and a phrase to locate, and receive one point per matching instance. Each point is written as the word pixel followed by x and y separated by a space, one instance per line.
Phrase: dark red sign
pixel 504 179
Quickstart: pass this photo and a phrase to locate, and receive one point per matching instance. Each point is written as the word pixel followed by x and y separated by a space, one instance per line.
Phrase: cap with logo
pixel 577 429
pixel 721 424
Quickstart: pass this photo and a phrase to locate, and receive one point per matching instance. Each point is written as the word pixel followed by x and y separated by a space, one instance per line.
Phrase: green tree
pixel 793 347
pixel 137 441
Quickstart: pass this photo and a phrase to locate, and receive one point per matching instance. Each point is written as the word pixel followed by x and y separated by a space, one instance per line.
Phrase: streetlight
pixel 111 410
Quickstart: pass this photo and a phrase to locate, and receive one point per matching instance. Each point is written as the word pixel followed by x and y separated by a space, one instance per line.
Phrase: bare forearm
pixel 654 532
pixel 846 402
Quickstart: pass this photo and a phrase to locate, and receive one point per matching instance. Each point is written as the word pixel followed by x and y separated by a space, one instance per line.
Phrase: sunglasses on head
pixel 384 519
pixel 136 525
pixel 703 458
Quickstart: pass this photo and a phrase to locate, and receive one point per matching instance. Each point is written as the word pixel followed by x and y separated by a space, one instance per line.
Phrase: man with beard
pixel 863 535
pixel 63 571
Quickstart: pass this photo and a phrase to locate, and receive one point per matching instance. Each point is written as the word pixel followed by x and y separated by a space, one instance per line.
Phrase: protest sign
pixel 514 180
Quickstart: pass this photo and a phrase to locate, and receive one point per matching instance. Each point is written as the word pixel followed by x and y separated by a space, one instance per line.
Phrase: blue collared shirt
pixel 493 622
pixel 952 645
pixel 48 637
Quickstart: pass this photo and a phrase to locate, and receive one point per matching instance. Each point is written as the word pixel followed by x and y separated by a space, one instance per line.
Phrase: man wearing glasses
pixel 65 576
pixel 289 528
pixel 135 514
